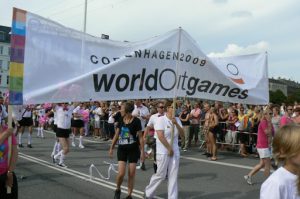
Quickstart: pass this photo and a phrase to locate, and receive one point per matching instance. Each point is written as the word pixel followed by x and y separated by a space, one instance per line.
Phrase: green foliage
pixel 293 97
pixel 277 97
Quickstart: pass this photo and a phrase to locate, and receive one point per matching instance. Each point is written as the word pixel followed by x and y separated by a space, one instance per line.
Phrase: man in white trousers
pixel 167 154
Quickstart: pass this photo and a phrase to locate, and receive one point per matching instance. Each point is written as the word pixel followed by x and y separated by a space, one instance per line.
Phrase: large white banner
pixel 59 67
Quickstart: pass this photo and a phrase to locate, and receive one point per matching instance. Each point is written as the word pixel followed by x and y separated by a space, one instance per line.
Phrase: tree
pixel 277 97
pixel 294 97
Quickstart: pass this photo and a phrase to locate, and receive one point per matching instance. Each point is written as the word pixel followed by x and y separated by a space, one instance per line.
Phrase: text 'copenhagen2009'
pixel 123 82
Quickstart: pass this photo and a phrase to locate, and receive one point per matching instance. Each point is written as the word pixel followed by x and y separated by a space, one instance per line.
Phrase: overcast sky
pixel 221 27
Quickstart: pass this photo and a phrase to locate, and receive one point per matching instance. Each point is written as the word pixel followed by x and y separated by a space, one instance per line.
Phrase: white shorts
pixel 264 153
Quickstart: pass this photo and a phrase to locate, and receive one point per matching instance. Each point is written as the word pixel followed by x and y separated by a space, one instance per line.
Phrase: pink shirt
pixel 196 116
pixel 4 155
pixel 285 120
pixel 262 138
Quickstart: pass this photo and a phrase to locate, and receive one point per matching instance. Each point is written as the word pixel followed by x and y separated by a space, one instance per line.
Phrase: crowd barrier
pixel 227 137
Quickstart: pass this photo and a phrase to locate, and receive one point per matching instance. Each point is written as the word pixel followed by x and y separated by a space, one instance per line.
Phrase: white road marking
pixel 77 174
pixel 217 162
pixel 185 157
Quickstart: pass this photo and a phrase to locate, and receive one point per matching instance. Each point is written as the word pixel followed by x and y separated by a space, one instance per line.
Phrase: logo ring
pixel 232 69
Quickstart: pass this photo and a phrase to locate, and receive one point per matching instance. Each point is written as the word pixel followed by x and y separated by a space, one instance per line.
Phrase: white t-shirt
pixel 55 117
pixel 111 119
pixel 280 185
pixel 26 113
pixel 152 121
pixel 64 117
pixel 140 112
pixel 17 112
pixel 163 123
pixel 98 111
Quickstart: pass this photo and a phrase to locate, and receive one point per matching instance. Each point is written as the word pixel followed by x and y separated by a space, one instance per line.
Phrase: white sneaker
pixel 73 144
pixel 81 146
pixel 62 165
pixel 248 179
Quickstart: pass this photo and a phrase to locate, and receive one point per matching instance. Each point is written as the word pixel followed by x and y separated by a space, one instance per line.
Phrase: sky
pixel 220 27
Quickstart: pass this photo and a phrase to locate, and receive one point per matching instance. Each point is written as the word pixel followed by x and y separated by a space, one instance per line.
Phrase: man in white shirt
pixel 142 112
pixel 97 114
pixel 168 154
pixel 150 126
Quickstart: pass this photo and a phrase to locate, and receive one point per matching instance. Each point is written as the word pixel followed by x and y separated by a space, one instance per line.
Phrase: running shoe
pixel 29 145
pixel 53 159
pixel 73 144
pixel 248 179
pixel 143 167
pixel 81 146
pixel 62 165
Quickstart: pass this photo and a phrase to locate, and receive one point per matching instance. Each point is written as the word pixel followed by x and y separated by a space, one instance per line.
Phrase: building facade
pixel 4 58
pixel 275 85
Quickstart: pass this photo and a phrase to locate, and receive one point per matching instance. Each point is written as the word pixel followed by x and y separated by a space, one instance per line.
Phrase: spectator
pixel 287 117
pixel 195 123
pixel 184 117
pixel 284 183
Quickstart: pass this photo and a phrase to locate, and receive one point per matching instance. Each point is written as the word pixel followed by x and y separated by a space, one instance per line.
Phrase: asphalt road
pixel 199 177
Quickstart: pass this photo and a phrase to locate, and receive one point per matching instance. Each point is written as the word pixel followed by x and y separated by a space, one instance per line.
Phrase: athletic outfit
pixel 64 116
pixel 26 121
pixel 128 149
pixel 165 163
pixel 77 122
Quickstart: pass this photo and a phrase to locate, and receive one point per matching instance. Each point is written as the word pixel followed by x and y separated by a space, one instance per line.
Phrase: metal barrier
pixel 226 136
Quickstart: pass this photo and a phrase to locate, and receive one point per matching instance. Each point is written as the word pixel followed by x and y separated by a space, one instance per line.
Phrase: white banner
pixel 59 67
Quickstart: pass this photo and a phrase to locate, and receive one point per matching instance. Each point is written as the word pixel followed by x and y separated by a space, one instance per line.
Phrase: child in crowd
pixel 284 183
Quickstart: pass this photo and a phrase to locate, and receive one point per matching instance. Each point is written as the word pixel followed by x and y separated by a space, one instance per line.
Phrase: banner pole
pixel 175 91
pixel 83 36
pixel 85 13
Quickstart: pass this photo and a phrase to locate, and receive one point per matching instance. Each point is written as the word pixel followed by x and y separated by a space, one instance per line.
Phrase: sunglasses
pixel 160 107
pixel 270 113
pixel 290 109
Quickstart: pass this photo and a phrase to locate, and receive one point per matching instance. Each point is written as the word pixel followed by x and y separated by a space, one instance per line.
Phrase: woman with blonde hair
pixel 264 138
pixel 284 183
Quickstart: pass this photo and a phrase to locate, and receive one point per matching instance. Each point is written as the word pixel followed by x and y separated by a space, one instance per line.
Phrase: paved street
pixel 198 177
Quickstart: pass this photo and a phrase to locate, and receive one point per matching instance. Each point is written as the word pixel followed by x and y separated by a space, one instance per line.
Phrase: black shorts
pixel 77 123
pixel 55 128
pixel 129 153
pixel 26 121
pixel 242 137
pixel 215 130
pixel 63 133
